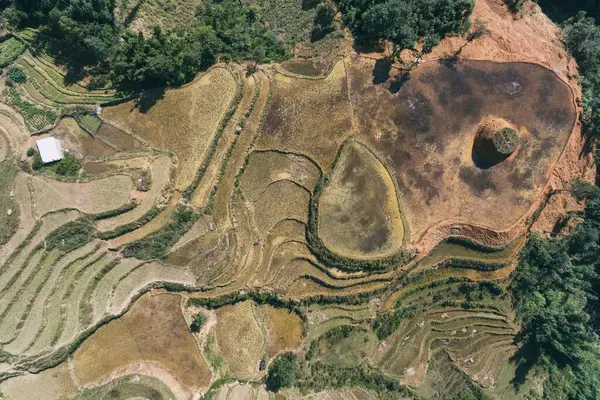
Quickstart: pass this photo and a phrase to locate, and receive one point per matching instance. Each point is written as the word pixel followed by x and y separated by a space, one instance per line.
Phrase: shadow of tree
pixel 381 71
pixel 398 82
pixel 133 13
pixel 148 99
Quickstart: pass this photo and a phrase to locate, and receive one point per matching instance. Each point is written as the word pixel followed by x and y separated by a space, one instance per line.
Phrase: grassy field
pixel 9 208
pixel 93 197
pixel 182 121
pixel 144 15
pixel 54 383
pixel 359 214
pixel 284 329
pixel 128 387
pixel 90 123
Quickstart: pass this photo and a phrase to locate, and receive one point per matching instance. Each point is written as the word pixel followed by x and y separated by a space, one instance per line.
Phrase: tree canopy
pixel 282 372
pixel 85 33
pixel 556 292
pixel 404 22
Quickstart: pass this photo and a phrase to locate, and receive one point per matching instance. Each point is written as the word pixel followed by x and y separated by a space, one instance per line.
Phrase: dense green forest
pixel 557 283
pixel 403 22
pixel 87 35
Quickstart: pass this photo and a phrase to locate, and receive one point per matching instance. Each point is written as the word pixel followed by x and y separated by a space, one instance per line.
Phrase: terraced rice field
pixel 252 155
pixel 197 107
pixel 309 117
pixel 46 85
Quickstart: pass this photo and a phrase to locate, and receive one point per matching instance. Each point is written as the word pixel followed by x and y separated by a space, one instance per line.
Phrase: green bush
pixel 386 324
pixel 71 236
pixel 68 166
pixel 16 75
pixel 37 162
pixel 30 152
pixel 282 372
pixel 506 141
pixel 157 244
pixel 584 191
pixel 123 229
pixel 515 5
pixel 9 50
pixel 198 322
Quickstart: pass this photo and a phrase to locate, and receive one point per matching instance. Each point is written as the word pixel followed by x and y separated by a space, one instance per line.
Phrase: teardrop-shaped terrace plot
pixel 359 214
pixel 427 129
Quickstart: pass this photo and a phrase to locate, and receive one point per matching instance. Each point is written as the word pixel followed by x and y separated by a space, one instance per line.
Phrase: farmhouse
pixel 50 149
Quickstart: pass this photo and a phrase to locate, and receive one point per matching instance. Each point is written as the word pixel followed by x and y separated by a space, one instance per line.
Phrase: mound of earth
pixel 495 141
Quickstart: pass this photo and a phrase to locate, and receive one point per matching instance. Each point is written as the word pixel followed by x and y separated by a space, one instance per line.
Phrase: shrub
pixel 68 166
pixel 506 141
pixel 198 322
pixel 515 5
pixel 584 191
pixel 386 324
pixel 282 373
pixel 157 244
pixel 323 21
pixel 30 152
pixel 71 236
pixel 16 75
pixel 37 161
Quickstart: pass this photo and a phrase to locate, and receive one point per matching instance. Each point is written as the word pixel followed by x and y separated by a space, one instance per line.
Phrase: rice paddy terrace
pixel 325 214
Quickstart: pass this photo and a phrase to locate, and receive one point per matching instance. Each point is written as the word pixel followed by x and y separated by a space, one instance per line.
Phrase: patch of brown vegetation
pixel 284 329
pixel 309 116
pixel 240 339
pixel 359 214
pixel 153 330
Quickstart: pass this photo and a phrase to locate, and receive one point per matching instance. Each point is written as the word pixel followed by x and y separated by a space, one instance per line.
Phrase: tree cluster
pixel 582 37
pixel 404 23
pixel 282 372
pixel 556 292
pixel 87 35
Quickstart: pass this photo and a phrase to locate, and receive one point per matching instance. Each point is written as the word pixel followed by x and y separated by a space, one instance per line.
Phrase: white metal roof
pixel 50 149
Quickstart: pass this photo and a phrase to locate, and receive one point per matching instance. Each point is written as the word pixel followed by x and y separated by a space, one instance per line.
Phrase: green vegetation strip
pixel 211 198
pixel 71 236
pixel 10 49
pixel 123 229
pixel 9 220
pixel 157 244
pixel 113 213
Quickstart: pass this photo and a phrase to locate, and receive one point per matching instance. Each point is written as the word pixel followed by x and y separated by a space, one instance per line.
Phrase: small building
pixel 50 149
